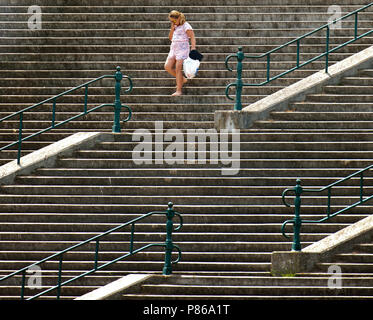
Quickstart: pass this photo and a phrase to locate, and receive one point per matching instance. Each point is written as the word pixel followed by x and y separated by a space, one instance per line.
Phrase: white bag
pixel 190 67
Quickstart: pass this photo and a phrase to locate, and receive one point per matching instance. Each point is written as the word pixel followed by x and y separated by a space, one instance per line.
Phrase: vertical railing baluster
pixel 59 277
pixel 356 20
pixel 54 112
pixel 96 253
pixel 361 185
pixel 132 236
pixel 327 49
pixel 85 99
pixel 298 50
pixel 329 201
pixel 268 66
pixel 20 129
pixel 23 284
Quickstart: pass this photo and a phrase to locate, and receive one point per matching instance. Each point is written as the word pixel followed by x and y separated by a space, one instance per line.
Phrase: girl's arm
pixel 190 34
pixel 171 33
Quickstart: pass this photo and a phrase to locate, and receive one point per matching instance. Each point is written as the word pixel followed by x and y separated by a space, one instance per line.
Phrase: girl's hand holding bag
pixel 191 64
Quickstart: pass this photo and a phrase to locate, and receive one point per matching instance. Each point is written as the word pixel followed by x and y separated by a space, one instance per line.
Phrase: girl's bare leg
pixel 180 80
pixel 169 66
pixel 175 68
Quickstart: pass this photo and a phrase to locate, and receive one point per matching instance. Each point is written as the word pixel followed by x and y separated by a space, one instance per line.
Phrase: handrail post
pixel 297 219
pixel 239 84
pixel 170 213
pixel 117 103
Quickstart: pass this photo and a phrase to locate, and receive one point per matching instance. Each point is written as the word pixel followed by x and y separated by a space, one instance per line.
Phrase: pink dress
pixel 180 42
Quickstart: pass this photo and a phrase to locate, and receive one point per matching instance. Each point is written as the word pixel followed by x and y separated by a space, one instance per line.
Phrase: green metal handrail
pixel 168 245
pixel 299 190
pixel 118 76
pixel 240 56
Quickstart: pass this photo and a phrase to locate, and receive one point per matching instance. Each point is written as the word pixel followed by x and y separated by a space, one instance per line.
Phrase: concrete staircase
pixel 319 146
pixel 81 41
pixel 267 288
pixel 232 223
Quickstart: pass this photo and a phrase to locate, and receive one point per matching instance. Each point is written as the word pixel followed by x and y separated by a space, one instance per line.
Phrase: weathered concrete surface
pixel 47 156
pixel 296 92
pixel 342 241
pixel 114 290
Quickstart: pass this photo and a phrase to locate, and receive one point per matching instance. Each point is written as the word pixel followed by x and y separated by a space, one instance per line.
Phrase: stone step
pixel 364 247
pixel 83 69
pixel 93 97
pixel 266 4
pixel 247 137
pixel 192 16
pixel 77 203
pixel 294 173
pixel 265 33
pixel 349 267
pixel 150 266
pixel 98 125
pixel 261 36
pixel 324 117
pixel 257 281
pixel 98 227
pixel 121 148
pixel 257 28
pixel 253 135
pixel 348 89
pixel 145 236
pixel 357 98
pixel 69 291
pixel 252 163
pixel 296 8
pixel 88 257
pixel 283 182
pixel 313 125
pixel 118 218
pixel 162 42
pixel 35 84
pixel 354 258
pixel 188 99
pixel 155 51
pixel 219 291
pixel 357 81
pixel 108 116
pixel 50 278
pixel 222 246
pixel 186 208
pixel 191 192
pixel 331 107
pixel 242 154
pixel 135 106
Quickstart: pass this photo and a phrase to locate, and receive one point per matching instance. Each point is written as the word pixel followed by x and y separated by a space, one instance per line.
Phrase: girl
pixel 180 33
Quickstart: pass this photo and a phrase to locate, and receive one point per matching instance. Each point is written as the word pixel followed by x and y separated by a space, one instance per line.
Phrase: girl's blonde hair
pixel 178 14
